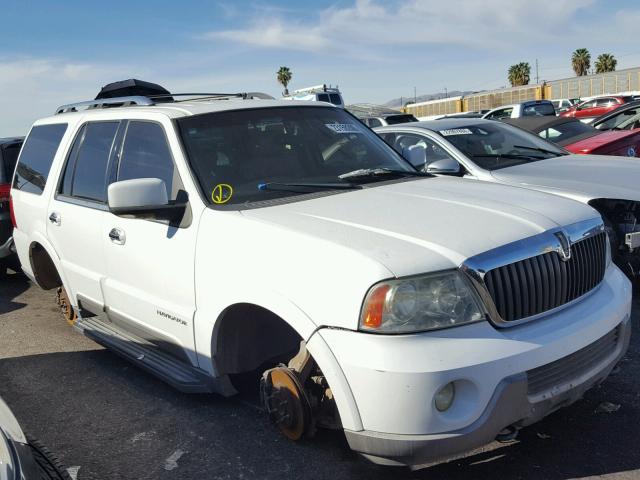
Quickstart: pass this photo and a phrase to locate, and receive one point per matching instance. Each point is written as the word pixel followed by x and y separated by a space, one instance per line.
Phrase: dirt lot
pixel 113 421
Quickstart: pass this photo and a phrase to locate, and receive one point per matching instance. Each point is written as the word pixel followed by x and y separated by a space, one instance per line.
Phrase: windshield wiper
pixel 295 187
pixel 374 172
pixel 541 150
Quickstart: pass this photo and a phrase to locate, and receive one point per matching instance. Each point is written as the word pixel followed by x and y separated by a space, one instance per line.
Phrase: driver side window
pixel 146 154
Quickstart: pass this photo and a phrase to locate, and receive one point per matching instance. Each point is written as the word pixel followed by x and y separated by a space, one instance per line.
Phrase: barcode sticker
pixel 343 127
pixel 456 131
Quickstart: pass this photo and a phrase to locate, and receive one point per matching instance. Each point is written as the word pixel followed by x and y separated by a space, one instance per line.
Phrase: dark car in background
pixel 9 150
pixel 579 137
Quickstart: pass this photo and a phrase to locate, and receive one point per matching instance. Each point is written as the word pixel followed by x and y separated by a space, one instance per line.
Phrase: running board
pixel 145 355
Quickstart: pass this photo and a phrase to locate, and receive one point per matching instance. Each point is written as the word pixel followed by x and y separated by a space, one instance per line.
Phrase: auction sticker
pixel 221 193
pixel 456 131
pixel 343 127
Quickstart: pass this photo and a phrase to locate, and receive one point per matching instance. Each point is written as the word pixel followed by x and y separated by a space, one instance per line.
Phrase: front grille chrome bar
pixel 530 278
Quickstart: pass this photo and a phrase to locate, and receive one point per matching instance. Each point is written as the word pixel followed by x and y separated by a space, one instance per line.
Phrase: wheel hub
pixel 66 308
pixel 285 401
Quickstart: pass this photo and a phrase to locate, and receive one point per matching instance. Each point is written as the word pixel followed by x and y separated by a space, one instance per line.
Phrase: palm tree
pixel 581 61
pixel 606 62
pixel 284 77
pixel 519 74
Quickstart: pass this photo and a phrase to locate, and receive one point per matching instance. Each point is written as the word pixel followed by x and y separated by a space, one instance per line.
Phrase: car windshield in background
pixel 562 133
pixel 628 119
pixel 265 154
pixel 395 119
pixel 494 145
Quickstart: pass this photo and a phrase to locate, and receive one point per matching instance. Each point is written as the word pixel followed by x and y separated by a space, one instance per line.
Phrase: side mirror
pixel 445 166
pixel 416 155
pixel 143 198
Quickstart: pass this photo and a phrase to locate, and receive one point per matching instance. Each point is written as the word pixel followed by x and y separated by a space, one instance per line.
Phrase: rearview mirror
pixel 143 198
pixel 445 166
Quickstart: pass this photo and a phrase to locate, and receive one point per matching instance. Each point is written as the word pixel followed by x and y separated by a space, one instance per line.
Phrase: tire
pixel 49 465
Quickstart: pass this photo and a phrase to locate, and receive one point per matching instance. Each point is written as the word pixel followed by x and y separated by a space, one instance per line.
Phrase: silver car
pixel 496 152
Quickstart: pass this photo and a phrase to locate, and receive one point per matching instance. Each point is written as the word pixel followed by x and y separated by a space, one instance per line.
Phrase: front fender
pixel 207 324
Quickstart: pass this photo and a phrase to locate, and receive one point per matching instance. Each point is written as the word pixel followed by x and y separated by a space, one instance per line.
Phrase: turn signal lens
pixel 374 308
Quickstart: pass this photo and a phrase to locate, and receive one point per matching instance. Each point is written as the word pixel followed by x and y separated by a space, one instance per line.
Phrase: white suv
pixel 424 316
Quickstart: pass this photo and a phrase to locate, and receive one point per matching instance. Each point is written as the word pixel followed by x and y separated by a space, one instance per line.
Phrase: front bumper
pixel 510 406
pixel 499 376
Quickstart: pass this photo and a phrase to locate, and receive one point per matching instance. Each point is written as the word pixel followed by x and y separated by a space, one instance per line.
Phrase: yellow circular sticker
pixel 221 193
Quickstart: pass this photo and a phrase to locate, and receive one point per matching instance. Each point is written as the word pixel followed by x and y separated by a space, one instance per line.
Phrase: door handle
pixel 117 236
pixel 55 218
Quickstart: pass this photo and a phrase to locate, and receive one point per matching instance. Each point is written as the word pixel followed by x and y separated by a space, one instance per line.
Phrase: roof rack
pixel 155 100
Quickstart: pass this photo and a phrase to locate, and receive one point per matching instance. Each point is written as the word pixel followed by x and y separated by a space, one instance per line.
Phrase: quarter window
pixel 37 157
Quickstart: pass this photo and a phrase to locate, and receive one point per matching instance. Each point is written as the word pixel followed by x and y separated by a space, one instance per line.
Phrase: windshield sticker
pixel 343 127
pixel 456 131
pixel 221 193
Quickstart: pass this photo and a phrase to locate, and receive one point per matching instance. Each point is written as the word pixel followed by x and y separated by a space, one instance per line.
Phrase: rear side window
pixel 9 159
pixel 335 99
pixel 37 156
pixel 538 109
pixel 146 154
pixel 86 170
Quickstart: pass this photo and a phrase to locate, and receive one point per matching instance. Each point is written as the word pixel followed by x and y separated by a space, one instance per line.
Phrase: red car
pixel 578 137
pixel 596 106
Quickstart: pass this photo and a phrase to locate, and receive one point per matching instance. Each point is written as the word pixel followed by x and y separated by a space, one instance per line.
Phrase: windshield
pixel 565 133
pixel 268 153
pixel 493 145
pixel 628 119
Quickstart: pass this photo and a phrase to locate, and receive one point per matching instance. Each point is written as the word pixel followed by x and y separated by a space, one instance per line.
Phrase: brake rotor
pixel 285 401
pixel 66 308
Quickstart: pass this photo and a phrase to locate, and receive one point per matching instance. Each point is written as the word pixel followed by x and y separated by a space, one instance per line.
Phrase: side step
pixel 145 355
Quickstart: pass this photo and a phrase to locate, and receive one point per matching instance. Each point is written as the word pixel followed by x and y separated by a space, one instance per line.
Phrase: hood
pixel 428 224
pixel 581 177
pixel 596 141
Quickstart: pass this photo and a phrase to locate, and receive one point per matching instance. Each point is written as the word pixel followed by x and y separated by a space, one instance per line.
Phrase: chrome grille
pixel 572 366
pixel 535 285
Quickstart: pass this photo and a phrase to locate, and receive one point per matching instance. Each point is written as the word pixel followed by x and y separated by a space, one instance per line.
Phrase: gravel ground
pixel 114 421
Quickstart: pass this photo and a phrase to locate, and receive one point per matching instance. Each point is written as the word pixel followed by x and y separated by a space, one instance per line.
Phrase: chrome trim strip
pixel 475 268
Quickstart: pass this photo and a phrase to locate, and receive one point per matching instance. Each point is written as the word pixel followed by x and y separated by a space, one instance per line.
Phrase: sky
pixel 53 53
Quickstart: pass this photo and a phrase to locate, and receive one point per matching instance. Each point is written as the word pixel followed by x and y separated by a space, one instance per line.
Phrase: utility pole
pixel 446 95
pixel 415 97
pixel 537 78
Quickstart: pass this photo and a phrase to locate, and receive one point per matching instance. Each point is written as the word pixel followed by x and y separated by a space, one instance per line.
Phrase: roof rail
pixel 155 99
pixel 104 102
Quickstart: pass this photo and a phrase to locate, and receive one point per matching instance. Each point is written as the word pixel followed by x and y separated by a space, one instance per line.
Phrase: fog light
pixel 444 397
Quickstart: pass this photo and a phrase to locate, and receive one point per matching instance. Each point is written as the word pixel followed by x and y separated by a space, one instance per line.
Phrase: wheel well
pixel 44 270
pixel 250 336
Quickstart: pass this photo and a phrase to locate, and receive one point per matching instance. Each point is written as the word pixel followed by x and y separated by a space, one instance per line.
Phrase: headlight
pixel 416 304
